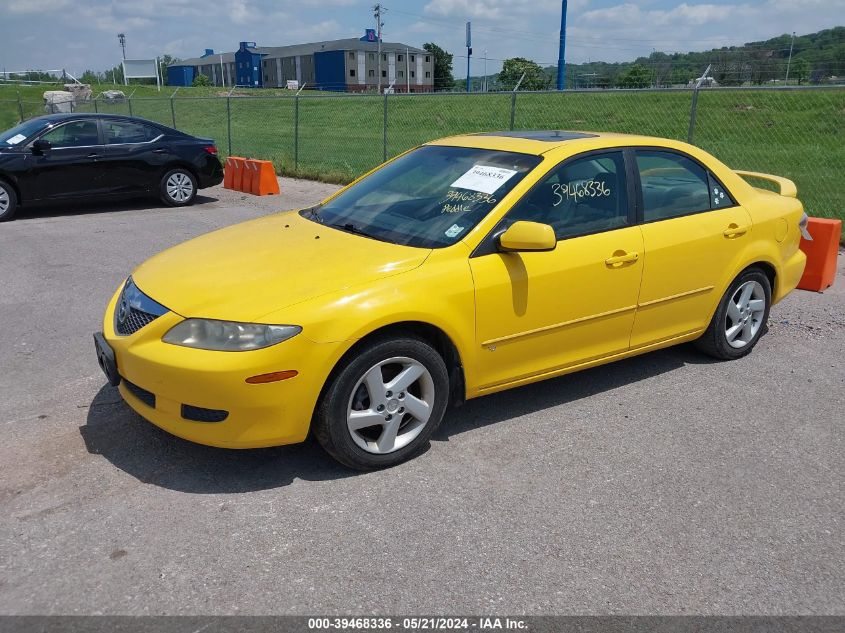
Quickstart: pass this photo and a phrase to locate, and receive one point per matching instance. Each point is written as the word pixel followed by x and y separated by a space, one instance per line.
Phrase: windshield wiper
pixel 350 228
pixel 313 213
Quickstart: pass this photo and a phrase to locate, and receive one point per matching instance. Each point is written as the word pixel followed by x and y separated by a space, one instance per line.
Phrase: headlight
pixel 227 336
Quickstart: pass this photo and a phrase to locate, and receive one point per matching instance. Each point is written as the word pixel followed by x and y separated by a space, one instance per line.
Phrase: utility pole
pixel 377 11
pixel 561 55
pixel 122 39
pixel 789 61
pixel 469 51
pixel 407 71
pixel 485 70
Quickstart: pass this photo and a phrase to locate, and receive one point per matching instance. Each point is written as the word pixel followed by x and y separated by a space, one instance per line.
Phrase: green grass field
pixel 796 134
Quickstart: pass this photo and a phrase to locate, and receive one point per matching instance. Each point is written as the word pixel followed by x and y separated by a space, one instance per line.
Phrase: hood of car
pixel 249 270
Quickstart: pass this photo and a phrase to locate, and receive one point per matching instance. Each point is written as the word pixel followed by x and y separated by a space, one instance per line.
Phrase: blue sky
pixel 80 34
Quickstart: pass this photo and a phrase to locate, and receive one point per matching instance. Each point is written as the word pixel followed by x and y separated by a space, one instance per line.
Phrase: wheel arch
pixel 428 332
pixel 179 163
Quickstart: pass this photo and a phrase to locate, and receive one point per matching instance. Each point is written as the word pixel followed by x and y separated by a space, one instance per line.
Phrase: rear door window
pixel 120 132
pixel 673 185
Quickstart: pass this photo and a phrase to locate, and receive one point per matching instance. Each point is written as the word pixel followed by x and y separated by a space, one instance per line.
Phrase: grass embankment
pixel 796 134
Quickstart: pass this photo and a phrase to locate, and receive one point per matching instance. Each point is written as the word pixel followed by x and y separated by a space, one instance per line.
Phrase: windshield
pixel 429 198
pixel 21 132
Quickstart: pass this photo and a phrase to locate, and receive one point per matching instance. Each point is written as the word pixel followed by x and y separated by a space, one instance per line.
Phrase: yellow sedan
pixel 461 268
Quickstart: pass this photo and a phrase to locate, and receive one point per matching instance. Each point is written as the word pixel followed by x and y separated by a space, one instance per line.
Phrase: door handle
pixel 161 150
pixel 734 230
pixel 620 258
pixel 94 155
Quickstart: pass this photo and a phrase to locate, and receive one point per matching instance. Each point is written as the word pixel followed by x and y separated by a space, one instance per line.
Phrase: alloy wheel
pixel 179 187
pixel 744 317
pixel 4 200
pixel 390 405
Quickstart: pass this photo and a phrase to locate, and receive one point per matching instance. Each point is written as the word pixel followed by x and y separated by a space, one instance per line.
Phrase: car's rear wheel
pixel 741 317
pixel 178 187
pixel 8 201
pixel 382 406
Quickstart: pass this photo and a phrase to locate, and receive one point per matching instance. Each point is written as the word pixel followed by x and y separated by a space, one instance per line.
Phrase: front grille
pixel 135 320
pixel 198 414
pixel 147 397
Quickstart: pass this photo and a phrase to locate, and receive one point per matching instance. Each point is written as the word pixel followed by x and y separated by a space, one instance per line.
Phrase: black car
pixel 63 156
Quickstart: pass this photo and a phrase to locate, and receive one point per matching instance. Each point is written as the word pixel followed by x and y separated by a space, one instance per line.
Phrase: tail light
pixel 211 149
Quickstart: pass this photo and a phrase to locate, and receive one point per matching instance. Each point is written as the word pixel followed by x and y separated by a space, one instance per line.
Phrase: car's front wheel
pixel 741 317
pixel 8 201
pixel 382 406
pixel 178 187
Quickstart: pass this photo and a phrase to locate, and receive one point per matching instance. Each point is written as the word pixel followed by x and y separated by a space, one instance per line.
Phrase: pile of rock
pixel 58 101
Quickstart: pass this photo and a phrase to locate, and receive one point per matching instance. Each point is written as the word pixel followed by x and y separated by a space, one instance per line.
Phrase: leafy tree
pixel 201 80
pixel 443 79
pixel 800 70
pixel 512 70
pixel 638 76
pixel 165 61
pixel 90 77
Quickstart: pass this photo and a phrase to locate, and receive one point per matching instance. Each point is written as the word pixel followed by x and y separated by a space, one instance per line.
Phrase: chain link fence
pixel 798 133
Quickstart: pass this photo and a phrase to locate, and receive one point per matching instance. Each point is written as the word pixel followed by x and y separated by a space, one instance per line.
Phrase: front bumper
pixel 258 415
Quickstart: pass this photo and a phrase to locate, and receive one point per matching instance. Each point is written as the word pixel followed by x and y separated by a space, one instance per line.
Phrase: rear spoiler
pixel 785 186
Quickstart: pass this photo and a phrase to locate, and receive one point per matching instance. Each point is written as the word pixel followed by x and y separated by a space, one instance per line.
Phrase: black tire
pixel 8 201
pixel 345 385
pixel 714 342
pixel 174 197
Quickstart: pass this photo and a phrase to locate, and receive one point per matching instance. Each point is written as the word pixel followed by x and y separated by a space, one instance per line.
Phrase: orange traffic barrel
pixel 821 252
pixel 233 164
pixel 264 181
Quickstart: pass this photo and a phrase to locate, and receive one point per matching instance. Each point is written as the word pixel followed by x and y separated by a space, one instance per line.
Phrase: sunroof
pixel 550 136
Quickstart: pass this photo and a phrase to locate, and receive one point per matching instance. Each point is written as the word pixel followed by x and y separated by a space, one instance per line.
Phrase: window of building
pixel 413 74
pixel 672 185
pixel 427 75
pixel 427 58
pixel 384 73
pixel 582 196
pixel 372 73
pixel 351 72
pixel 413 58
pixel 372 57
pixel 351 55
pixel 384 57
pixel 399 58
pixel 401 73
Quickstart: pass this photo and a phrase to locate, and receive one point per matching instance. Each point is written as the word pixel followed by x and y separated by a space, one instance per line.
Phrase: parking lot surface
pixel 663 484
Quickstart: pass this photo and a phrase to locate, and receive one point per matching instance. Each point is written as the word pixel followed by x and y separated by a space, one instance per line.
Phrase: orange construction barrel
pixel 821 252
pixel 264 181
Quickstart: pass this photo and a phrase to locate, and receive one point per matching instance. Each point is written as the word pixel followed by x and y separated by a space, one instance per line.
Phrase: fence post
pixel 96 107
pixel 173 112
pixel 384 153
pixel 692 115
pixel 296 134
pixel 130 106
pixel 694 106
pixel 513 108
pixel 229 122
pixel 20 106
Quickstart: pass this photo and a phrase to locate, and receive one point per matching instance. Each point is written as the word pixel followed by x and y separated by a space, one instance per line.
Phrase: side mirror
pixel 39 147
pixel 527 236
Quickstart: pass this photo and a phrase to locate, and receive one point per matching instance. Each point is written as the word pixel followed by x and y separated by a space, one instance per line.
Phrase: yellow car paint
pixel 513 318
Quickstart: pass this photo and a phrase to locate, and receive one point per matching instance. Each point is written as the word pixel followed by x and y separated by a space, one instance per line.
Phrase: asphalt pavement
pixel 663 484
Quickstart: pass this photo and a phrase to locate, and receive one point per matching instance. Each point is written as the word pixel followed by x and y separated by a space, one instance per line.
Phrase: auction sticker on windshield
pixel 484 178
pixel 17 138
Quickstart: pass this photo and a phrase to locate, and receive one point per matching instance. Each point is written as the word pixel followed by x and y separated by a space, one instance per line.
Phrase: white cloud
pixel 35 6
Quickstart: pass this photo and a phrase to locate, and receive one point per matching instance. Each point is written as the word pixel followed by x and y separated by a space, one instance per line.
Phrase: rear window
pixel 673 185
pixel 117 132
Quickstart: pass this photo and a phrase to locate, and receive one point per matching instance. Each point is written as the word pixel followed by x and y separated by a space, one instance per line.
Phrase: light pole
pixel 789 61
pixel 485 70
pixel 469 51
pixel 561 56
pixel 377 15
pixel 122 39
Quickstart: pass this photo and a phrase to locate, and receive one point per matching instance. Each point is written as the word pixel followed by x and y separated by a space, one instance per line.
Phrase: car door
pixel 134 155
pixel 693 230
pixel 539 312
pixel 70 167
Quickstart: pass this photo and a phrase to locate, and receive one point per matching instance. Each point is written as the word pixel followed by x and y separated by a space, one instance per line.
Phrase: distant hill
pixel 816 58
